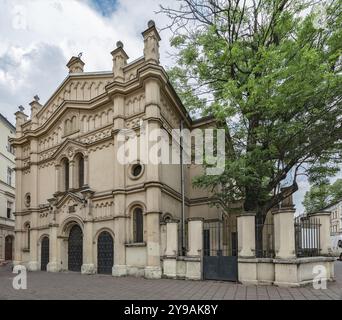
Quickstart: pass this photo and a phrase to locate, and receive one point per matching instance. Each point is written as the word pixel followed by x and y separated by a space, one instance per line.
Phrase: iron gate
pixel 105 251
pixel 8 248
pixel 44 257
pixel 75 249
pixel 220 252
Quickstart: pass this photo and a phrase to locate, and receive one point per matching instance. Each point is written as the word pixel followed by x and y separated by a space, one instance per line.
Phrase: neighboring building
pixel 7 189
pixel 77 207
pixel 335 217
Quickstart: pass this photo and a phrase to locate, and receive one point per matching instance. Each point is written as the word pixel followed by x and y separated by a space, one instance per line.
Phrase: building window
pixel 9 176
pixel 9 209
pixel 65 174
pixel 138 225
pixel 136 171
pixel 80 166
pixel 27 199
pixel 10 147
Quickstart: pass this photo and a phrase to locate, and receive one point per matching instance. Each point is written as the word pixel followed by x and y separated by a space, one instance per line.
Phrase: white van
pixel 336 242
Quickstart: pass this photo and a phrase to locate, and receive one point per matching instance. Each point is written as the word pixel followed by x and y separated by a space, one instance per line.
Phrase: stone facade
pixel 335 218
pixel 68 175
pixel 7 190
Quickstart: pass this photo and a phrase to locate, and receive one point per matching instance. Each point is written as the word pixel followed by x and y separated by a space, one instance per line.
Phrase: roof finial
pixel 151 24
pixel 36 98
pixel 119 44
pixel 80 55
pixel 21 108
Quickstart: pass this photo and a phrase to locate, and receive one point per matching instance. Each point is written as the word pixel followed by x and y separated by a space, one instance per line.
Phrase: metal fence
pixel 264 237
pixel 307 236
pixel 220 237
pixel 214 234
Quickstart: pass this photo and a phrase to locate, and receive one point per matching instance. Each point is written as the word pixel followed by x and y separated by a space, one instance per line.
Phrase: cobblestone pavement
pixel 68 285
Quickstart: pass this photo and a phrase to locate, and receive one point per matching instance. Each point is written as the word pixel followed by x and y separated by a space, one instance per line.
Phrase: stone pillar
pixel 247 264
pixel 324 237
pixel 284 233
pixel 195 237
pixel 193 269
pixel 53 265
pixel 170 259
pixel 246 235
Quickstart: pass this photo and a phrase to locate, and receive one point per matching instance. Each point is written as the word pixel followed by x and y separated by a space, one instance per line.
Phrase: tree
pixel 269 71
pixel 320 196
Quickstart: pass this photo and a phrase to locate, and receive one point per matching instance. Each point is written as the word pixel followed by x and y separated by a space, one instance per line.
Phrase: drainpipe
pixel 182 190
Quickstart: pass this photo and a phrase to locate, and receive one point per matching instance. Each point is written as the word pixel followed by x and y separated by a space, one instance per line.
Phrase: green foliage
pixel 272 78
pixel 320 196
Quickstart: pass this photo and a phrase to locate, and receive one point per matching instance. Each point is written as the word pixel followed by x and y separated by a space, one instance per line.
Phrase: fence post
pixel 247 264
pixel 246 235
pixel 195 237
pixel 170 259
pixel 195 249
pixel 324 231
pixel 284 232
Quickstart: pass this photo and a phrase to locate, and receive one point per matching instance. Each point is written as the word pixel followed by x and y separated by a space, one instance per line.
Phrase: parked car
pixel 336 241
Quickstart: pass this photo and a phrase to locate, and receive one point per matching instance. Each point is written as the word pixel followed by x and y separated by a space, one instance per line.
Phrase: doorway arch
pixel 105 253
pixel 75 249
pixel 45 253
pixel 9 248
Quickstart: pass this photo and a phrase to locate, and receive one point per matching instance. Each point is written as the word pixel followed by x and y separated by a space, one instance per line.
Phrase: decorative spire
pixel 120 58
pixel 75 64
pixel 151 43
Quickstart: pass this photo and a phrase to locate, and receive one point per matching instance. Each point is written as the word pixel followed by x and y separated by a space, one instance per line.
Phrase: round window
pixel 136 170
pixel 27 199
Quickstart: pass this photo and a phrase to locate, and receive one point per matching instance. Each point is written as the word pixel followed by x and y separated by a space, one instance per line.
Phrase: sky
pixel 38 37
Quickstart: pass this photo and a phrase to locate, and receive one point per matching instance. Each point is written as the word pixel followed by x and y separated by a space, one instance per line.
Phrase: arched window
pixel 81 171
pixel 65 174
pixel 27 228
pixel 138 225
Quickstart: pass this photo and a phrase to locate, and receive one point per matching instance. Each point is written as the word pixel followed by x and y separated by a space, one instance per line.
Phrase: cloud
pixel 39 37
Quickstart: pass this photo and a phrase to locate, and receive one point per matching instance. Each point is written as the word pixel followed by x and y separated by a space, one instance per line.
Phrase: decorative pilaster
pixel 33 264
pixel 153 268
pixel 71 174
pixel 88 266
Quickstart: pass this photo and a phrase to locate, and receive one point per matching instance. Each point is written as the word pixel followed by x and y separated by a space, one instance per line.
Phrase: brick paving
pixel 70 286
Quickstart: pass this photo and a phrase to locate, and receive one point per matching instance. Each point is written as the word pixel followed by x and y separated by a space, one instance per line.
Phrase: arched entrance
pixel 105 252
pixel 8 248
pixel 45 251
pixel 75 249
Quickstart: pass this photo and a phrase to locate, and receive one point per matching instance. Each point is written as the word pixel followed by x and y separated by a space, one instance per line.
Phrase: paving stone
pixel 71 286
